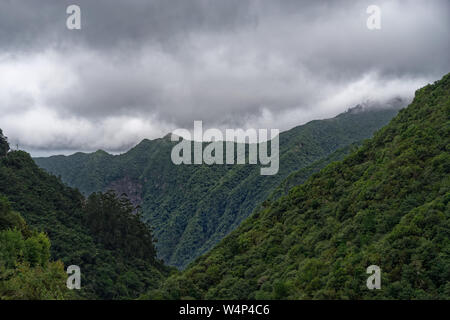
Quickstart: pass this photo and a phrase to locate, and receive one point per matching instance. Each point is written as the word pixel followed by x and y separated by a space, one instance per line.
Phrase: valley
pixel 192 207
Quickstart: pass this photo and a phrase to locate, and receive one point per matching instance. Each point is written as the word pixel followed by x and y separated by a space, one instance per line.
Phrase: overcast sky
pixel 139 69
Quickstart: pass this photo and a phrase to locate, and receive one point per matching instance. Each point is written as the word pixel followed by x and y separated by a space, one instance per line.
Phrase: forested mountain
pixel 103 235
pixel 387 204
pixel 192 207
pixel 26 271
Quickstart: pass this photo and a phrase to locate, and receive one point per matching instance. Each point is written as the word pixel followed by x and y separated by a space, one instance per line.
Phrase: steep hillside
pixel 192 207
pixel 101 235
pixel 387 204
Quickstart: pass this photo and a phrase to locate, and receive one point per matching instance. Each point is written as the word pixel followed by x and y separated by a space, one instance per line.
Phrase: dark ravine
pixel 192 207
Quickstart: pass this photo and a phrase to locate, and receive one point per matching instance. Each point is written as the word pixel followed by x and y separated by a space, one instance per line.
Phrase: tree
pixel 117 224
pixel 4 145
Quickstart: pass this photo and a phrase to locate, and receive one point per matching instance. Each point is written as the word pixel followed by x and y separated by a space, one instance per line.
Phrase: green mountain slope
pixel 192 207
pixel 387 204
pixel 101 235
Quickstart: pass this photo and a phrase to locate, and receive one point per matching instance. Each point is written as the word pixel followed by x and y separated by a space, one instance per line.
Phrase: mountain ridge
pixel 193 207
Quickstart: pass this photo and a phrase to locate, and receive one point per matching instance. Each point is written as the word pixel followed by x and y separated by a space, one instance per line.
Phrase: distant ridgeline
pixel 192 207
pixel 103 235
pixel 386 204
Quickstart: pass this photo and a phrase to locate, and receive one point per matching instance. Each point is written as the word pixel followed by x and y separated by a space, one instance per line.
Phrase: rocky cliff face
pixel 132 188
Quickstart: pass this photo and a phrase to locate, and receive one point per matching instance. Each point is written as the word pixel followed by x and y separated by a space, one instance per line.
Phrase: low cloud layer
pixel 139 69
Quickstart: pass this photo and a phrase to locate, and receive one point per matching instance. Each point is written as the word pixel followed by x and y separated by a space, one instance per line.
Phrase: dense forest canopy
pixel 118 225
pixel 192 207
pixel 387 204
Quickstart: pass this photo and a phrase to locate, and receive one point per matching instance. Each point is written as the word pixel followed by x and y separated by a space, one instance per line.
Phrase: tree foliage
pixel 117 224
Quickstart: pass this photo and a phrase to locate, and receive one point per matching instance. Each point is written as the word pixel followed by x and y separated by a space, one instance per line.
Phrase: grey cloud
pixel 30 24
